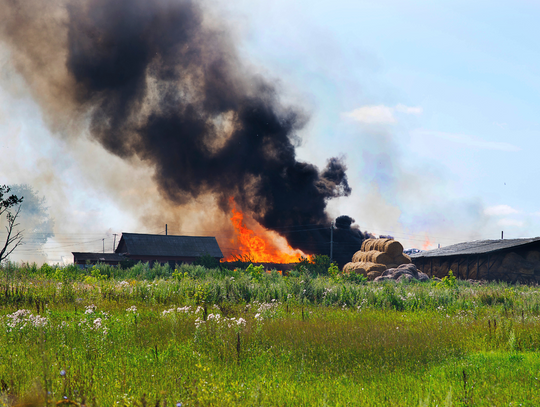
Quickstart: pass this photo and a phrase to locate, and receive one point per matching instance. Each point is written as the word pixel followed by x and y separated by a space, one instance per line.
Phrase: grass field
pixel 156 336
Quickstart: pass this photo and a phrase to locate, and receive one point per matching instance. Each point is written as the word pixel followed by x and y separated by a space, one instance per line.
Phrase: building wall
pixel 513 266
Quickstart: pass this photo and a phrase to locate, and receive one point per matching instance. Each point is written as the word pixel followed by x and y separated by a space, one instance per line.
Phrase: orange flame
pixel 428 245
pixel 262 247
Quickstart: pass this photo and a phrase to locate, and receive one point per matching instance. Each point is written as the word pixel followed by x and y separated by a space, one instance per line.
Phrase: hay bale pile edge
pixel 381 259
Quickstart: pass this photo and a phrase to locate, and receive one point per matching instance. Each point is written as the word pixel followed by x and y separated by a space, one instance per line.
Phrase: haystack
pixel 401 259
pixel 373 256
pixel 390 246
pixel 380 254
pixel 363 268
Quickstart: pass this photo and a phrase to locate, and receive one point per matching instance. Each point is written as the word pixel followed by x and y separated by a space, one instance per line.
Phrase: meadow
pixel 192 336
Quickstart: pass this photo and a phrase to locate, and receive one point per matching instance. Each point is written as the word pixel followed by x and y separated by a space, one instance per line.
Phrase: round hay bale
pixel 380 244
pixel 355 267
pixel 402 259
pixel 374 267
pixel 383 278
pixel 404 278
pixel 393 248
pixel 348 267
pixel 356 257
pixel 367 245
pixel 372 256
pixel 372 275
pixel 390 246
pixel 422 276
pixel 388 272
pixel 363 268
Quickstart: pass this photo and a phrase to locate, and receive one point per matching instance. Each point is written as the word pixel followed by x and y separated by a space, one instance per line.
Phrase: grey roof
pixel 140 244
pixel 83 256
pixel 476 247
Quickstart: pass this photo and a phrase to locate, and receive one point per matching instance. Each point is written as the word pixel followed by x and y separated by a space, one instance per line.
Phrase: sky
pixel 433 105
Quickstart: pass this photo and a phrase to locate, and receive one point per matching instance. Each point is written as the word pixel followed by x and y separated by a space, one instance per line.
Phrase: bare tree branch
pixel 13 239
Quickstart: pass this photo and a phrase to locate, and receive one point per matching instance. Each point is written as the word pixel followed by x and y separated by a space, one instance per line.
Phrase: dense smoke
pixel 342 242
pixel 161 81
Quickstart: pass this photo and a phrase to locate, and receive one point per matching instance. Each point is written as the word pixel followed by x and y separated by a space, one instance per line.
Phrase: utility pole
pixel 103 240
pixel 114 244
pixel 165 229
pixel 332 241
pixel 502 234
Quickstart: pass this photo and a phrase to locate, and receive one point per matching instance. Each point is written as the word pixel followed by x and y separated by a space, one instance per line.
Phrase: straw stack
pixel 376 256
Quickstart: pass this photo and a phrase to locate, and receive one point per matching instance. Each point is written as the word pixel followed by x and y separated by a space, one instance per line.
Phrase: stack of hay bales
pixel 376 256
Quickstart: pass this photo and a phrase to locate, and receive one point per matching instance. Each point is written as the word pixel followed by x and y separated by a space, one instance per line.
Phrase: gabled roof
pixel 139 244
pixel 83 256
pixel 477 247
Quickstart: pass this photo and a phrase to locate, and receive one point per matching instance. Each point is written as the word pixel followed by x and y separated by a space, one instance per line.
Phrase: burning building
pixel 162 82
pixel 141 247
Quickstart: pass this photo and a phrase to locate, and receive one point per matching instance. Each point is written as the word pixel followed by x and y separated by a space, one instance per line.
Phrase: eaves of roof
pixel 477 247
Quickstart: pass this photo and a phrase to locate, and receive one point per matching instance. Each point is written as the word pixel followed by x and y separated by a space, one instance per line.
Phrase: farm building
pixel 155 248
pixel 82 258
pixel 512 260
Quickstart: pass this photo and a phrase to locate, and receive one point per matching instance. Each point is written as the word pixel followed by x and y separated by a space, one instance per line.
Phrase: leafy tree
pixel 10 205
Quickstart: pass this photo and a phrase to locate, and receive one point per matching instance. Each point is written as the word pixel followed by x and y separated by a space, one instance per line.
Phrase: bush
pixel 317 265
pixel 207 261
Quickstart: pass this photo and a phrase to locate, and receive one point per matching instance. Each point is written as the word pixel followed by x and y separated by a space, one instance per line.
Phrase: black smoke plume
pixel 162 81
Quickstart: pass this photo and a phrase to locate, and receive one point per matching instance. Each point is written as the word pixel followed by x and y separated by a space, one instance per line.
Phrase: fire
pixel 263 246
pixel 428 245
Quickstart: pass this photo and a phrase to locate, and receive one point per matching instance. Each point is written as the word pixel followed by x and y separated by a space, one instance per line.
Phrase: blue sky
pixel 433 104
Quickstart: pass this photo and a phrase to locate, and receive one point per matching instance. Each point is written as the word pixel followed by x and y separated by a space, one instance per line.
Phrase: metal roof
pixel 139 244
pixel 476 247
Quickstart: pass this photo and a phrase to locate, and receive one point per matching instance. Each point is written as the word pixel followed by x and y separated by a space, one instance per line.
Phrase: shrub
pixel 317 265
pixel 207 261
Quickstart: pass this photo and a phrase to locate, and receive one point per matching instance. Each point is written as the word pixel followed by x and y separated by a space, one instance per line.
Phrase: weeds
pixel 223 337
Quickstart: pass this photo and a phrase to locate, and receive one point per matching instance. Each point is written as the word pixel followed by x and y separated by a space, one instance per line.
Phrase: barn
pixel 512 260
pixel 162 249
pixel 82 258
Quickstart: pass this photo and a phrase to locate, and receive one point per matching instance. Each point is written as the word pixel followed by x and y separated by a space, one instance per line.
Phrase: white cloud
pixel 500 210
pixel 510 222
pixel 380 114
pixel 408 109
pixel 372 114
pixel 471 141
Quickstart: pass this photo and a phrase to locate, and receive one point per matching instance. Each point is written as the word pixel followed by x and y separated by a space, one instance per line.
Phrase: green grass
pixel 278 341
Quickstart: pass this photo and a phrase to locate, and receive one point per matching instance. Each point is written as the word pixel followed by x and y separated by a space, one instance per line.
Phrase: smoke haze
pixel 160 83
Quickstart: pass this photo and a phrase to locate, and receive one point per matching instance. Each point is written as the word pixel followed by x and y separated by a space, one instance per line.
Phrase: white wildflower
pixel 168 311
pixel 90 309
pixel 21 318
pixel 241 322
pixel 97 323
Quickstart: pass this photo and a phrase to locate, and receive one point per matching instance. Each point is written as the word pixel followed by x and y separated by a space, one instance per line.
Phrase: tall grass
pixel 213 338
